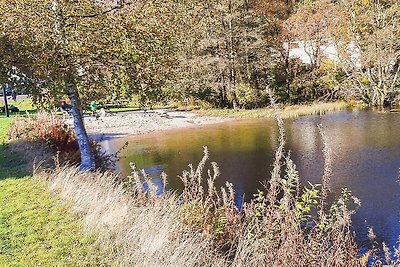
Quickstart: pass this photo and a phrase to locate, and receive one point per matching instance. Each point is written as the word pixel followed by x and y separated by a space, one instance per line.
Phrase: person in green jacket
pixel 93 107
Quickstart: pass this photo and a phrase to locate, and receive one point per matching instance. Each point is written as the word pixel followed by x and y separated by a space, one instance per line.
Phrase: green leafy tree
pixel 155 35
pixel 64 43
pixel 91 49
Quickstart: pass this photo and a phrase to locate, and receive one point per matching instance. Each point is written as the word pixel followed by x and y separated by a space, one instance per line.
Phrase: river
pixel 365 144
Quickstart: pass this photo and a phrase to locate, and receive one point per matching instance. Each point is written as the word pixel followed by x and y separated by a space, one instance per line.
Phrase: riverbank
pixel 197 225
pixel 202 226
pixel 287 111
pixel 140 122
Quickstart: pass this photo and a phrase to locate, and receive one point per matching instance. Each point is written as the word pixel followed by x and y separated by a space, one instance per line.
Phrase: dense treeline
pixel 223 53
pixel 244 46
pixel 232 50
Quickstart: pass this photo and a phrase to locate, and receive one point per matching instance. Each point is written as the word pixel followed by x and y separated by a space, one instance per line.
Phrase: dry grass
pixel 203 227
pixel 141 230
pixel 293 111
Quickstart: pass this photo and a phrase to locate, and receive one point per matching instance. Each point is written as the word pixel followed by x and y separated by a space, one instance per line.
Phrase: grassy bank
pixel 292 111
pixel 36 229
pixel 26 105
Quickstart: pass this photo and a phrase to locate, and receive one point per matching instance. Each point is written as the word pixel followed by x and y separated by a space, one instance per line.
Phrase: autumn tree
pixel 62 42
pixel 6 59
pixel 305 30
pixel 155 34
pixel 309 26
pixel 278 10
pixel 277 13
pixel 368 44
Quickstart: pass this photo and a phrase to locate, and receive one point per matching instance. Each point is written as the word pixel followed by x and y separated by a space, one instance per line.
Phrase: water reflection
pixel 155 173
pixel 366 159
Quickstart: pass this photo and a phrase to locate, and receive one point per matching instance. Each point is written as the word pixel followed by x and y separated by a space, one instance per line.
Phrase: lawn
pixel 36 229
pixel 24 106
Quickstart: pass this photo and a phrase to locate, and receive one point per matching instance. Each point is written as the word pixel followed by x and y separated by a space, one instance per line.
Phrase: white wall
pixel 305 48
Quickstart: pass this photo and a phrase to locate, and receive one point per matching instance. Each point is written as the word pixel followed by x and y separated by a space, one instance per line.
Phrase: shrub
pixel 249 97
pixel 54 132
pixel 45 128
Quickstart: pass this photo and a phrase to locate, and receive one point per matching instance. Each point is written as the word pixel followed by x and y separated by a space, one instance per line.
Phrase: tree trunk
pixel 87 157
pixel 232 63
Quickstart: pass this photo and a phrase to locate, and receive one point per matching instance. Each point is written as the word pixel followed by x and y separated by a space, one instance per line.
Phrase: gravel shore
pixel 140 122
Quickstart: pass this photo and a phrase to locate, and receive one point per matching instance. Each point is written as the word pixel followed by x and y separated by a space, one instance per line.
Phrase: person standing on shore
pixel 93 108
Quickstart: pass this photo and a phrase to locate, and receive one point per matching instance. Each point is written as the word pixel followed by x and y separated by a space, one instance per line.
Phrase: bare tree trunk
pixel 87 157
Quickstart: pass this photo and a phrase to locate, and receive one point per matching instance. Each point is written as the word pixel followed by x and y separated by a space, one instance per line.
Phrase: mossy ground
pixel 36 229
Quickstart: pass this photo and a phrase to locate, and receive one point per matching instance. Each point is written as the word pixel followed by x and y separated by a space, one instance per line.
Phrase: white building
pixel 307 52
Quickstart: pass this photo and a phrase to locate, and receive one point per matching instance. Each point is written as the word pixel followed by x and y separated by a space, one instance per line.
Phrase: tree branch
pixel 114 8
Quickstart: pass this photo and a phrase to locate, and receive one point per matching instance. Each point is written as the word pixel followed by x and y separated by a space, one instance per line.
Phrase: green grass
pixel 26 105
pixel 36 229
pixel 292 111
pixel 4 124
pixel 10 164
pixel 23 106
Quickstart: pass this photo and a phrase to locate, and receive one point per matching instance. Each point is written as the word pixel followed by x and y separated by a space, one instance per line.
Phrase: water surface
pixel 366 148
